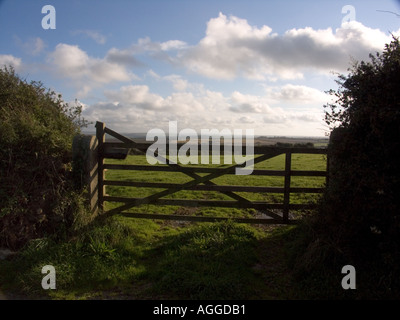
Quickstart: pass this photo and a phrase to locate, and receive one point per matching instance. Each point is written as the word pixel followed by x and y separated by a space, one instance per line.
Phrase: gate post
pixel 101 138
pixel 286 197
pixel 85 168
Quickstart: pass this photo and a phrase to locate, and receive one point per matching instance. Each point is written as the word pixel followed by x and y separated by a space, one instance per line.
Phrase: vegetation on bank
pixel 37 192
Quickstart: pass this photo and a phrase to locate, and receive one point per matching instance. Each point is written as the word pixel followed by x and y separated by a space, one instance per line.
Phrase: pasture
pixel 299 162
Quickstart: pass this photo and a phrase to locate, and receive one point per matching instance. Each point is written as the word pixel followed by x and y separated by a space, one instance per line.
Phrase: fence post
pixel 85 168
pixel 286 198
pixel 101 138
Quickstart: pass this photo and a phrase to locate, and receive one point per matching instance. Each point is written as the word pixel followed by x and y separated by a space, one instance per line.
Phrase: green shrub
pixel 365 151
pixel 36 132
pixel 359 220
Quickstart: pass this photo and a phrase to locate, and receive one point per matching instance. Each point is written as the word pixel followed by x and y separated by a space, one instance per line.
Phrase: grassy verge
pixel 141 259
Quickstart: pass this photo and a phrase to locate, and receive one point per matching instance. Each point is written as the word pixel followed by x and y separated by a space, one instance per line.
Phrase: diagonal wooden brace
pixel 197 179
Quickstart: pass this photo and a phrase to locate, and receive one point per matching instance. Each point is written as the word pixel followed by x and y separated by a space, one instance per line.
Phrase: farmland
pixel 299 162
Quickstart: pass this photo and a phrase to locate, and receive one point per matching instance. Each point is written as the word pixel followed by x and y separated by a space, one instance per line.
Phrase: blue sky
pixel 135 65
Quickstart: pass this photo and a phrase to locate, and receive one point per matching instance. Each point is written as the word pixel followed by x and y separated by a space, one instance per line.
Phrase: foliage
pixel 360 216
pixel 36 132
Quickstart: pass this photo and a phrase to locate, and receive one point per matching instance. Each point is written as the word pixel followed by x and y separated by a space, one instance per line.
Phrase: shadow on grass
pixel 208 261
pixel 150 261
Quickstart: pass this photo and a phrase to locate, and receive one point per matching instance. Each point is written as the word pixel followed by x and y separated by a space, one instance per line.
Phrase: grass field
pixel 124 258
pixel 299 162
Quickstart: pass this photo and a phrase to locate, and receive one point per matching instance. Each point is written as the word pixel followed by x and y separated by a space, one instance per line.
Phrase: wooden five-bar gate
pixel 119 149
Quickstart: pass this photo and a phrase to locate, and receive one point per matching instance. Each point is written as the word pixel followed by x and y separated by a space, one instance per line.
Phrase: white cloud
pixel 94 35
pixel 258 107
pixel 246 120
pixel 244 103
pixel 296 94
pixel 173 45
pixel 144 45
pixel 7 60
pixel 69 61
pixel 306 117
pixel 123 57
pixel 214 102
pixel 136 95
pixel 184 102
pixel 33 46
pixel 233 48
pixel 153 74
pixel 136 106
pixel 275 118
pixel 178 83
pixel 140 97
pixel 38 46
pixel 286 117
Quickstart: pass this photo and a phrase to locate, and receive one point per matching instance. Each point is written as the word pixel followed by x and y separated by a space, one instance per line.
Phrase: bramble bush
pixel 37 194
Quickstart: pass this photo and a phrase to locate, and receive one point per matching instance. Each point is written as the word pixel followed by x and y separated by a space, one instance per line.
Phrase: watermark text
pixel 188 153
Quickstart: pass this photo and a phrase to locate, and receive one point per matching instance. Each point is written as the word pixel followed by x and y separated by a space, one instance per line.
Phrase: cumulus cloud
pixel 136 106
pixel 296 94
pixel 246 120
pixel 233 48
pixel 275 118
pixel 140 97
pixel 124 57
pixel 144 45
pixel 69 61
pixel 279 116
pixel 252 106
pixel 8 59
pixel 245 103
pixel 177 81
pixel 173 45
pixel 136 95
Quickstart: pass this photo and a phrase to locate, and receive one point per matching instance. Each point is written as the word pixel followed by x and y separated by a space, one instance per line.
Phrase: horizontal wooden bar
pixel 116 153
pixel 260 205
pixel 255 189
pixel 139 167
pixel 257 149
pixel 193 169
pixel 199 203
pixel 197 187
pixel 205 219
pixel 256 172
